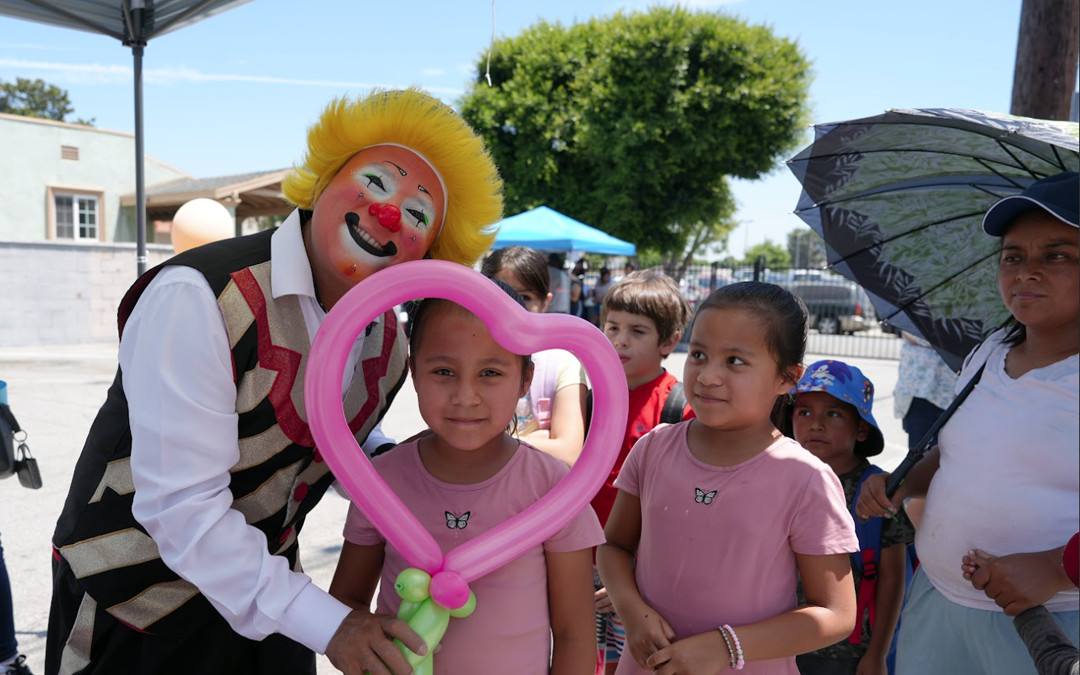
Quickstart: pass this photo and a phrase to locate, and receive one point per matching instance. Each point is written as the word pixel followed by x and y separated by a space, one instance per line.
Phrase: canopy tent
pixel 546 229
pixel 133 23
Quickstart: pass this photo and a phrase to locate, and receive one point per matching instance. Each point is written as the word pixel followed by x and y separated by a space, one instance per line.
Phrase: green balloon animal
pixel 425 616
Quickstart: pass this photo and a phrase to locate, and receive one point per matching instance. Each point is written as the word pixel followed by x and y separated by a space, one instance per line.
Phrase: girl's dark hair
pixel 785 318
pixel 528 265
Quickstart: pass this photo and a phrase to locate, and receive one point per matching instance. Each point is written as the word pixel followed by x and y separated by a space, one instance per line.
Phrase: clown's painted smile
pixel 365 240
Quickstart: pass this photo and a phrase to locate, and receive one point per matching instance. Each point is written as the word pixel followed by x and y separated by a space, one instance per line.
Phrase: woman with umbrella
pixel 1004 476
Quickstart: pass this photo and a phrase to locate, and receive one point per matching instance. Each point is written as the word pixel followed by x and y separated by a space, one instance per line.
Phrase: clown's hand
pixel 364 642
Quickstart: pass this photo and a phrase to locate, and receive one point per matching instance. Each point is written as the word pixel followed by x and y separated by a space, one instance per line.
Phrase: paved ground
pixel 55 393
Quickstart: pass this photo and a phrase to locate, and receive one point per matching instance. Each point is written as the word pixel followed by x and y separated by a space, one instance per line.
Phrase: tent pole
pixel 140 178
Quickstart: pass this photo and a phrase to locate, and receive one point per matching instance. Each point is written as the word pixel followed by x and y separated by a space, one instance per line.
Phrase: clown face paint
pixel 383 207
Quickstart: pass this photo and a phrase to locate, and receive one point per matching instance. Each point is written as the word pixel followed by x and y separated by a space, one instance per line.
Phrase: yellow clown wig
pixel 424 124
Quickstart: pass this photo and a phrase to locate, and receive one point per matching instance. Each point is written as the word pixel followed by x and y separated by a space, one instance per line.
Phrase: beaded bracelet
pixel 739 662
pixel 730 648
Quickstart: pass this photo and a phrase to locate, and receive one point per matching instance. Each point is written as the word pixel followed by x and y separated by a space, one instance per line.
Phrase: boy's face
pixel 827 427
pixel 637 342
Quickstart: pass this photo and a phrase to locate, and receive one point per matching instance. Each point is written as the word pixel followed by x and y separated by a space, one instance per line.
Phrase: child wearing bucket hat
pixel 832 418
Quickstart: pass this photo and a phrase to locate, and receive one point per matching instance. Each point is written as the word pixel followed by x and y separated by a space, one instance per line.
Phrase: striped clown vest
pixel 280 476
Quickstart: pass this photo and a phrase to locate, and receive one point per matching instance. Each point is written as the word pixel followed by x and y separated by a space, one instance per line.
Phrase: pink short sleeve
pixel 822 524
pixel 629 478
pixel 359 530
pixel 582 532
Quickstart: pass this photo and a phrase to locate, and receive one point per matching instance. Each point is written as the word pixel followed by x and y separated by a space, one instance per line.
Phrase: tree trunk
pixel 1046 59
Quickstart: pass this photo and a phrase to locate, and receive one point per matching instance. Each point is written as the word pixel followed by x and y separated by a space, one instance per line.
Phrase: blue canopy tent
pixel 546 229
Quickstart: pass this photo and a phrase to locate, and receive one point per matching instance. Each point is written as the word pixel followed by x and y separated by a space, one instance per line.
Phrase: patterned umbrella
pixel 899 199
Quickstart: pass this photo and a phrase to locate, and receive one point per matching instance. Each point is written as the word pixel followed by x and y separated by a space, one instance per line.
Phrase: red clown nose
pixel 388 215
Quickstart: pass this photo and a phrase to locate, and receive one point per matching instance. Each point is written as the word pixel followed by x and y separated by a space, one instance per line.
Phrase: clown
pixel 177 547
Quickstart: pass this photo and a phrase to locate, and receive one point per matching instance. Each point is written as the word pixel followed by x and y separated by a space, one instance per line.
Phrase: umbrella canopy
pixel 899 199
pixel 548 230
pixel 133 23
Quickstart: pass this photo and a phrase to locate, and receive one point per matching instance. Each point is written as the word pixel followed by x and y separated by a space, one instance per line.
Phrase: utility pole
pixel 1046 59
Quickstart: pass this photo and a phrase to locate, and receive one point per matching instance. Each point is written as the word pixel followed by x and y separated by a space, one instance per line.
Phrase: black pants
pixel 811 664
pixel 202 642
pixel 920 416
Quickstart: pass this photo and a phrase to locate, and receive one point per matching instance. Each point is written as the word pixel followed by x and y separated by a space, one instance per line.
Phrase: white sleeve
pixel 177 374
pixel 375 440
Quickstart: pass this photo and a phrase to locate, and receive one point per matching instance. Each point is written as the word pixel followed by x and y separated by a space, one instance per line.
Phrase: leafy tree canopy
pixel 806 248
pixel 36 98
pixel 633 123
pixel 776 256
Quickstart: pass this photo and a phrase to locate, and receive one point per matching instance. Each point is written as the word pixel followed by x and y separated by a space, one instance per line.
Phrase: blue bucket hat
pixel 1058 195
pixel 848 384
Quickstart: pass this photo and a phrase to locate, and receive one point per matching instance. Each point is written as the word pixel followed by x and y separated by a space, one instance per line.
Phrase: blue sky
pixel 235 93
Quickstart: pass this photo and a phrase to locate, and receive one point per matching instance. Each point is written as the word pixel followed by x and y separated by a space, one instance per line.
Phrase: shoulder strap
pixel 9 417
pixel 866 560
pixel 868 532
pixel 674 405
pixel 896 478
pixel 588 409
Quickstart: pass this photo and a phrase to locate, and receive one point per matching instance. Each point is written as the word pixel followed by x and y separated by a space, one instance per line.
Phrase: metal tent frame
pixel 133 23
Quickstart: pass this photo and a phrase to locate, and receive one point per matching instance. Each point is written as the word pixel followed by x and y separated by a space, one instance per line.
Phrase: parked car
pixel 836 306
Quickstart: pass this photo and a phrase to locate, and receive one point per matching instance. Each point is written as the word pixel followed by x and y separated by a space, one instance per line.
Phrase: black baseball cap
pixel 1058 195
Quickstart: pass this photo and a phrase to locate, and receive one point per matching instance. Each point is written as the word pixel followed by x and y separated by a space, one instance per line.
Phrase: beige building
pixel 67 229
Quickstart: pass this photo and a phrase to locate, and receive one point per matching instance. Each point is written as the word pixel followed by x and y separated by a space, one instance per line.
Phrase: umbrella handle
pixel 896 478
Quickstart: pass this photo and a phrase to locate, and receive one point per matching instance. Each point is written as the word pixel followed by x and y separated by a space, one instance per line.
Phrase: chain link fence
pixel 843 322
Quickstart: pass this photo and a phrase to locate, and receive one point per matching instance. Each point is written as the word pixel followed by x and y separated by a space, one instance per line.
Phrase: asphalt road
pixel 55 393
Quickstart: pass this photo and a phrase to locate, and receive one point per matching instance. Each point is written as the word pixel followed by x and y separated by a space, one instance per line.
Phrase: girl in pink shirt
pixel 716 518
pixel 533 615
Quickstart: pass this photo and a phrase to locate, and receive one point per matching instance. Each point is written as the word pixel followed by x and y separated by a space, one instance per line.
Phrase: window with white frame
pixel 76 216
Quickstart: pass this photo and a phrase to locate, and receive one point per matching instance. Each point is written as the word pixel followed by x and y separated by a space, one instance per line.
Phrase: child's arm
pixel 827 617
pixel 566 435
pixel 570 603
pixel 892 570
pixel 364 641
pixel 646 630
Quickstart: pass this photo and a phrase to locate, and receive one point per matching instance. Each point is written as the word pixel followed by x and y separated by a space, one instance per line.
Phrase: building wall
pixel 65 293
pixel 31 162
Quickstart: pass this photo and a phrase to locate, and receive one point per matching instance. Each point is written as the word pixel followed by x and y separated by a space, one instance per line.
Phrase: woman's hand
pixel 1019 581
pixel 873 502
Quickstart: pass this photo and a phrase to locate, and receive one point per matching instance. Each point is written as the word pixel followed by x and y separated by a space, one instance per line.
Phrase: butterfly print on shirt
pixel 455 522
pixel 702 497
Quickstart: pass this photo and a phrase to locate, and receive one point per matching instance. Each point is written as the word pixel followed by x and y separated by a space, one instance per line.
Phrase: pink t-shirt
pixel 510 631
pixel 718 544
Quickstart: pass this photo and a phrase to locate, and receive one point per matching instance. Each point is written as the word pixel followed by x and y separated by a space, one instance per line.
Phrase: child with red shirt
pixel 643 316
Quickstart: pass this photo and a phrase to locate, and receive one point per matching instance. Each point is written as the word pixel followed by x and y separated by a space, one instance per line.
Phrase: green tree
pixel 633 123
pixel 776 256
pixel 806 248
pixel 36 98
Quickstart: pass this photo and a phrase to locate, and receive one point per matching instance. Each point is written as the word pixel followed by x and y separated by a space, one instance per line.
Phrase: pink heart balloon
pixel 515 329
